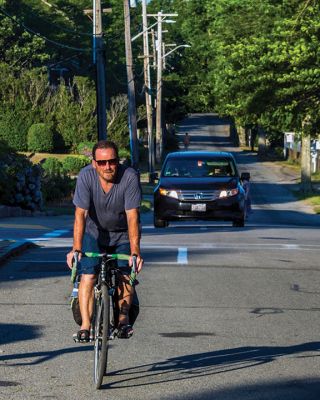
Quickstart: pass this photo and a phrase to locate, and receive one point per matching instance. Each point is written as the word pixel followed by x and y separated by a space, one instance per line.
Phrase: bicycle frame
pixel 103 324
pixel 109 276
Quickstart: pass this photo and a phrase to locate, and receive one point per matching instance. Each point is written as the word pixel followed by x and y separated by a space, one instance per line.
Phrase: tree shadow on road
pixel 18 332
pixel 205 364
pixel 40 357
pixel 292 389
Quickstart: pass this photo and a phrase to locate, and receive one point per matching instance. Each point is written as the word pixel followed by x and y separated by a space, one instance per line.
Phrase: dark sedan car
pixel 199 185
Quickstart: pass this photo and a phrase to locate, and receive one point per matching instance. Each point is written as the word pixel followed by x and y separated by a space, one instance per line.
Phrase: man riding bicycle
pixel 107 219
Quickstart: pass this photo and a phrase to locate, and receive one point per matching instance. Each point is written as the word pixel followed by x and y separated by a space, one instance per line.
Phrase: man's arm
pixel 79 227
pixel 78 232
pixel 134 234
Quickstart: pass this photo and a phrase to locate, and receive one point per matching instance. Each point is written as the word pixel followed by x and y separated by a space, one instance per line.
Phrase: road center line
pixel 182 257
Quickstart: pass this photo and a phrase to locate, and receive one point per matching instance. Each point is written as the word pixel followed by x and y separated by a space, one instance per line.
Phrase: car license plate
pixel 198 207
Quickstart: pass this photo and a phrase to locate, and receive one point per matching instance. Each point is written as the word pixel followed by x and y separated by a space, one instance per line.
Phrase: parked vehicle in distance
pixel 199 185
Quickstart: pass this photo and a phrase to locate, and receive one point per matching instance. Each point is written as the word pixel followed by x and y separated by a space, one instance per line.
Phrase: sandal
pixel 83 336
pixel 124 331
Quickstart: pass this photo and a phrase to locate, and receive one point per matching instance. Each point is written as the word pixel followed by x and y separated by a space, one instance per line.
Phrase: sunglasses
pixel 103 163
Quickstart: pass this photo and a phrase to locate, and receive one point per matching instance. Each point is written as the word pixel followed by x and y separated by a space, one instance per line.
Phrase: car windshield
pixel 196 168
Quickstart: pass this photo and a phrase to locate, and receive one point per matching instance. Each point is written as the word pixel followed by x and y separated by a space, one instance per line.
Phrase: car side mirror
pixel 154 176
pixel 245 176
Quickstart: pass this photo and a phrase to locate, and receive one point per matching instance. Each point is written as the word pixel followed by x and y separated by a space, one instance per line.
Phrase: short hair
pixel 104 144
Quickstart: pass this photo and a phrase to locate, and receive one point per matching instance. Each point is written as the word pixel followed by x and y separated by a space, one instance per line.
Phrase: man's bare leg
pixel 86 299
pixel 125 296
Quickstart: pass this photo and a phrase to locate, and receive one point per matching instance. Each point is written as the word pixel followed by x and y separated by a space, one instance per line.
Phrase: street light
pixel 178 47
pixel 167 21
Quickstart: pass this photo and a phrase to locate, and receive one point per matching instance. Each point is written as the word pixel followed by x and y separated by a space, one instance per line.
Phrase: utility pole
pixel 147 84
pixel 99 61
pixel 159 133
pixel 132 118
pixel 154 49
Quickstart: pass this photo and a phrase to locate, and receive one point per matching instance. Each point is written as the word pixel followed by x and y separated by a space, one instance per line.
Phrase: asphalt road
pixel 226 313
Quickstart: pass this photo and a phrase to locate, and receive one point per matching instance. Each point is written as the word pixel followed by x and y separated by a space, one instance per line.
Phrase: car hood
pixel 199 184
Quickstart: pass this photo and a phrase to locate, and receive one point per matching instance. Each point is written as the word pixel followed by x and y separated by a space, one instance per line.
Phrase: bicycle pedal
pixel 76 340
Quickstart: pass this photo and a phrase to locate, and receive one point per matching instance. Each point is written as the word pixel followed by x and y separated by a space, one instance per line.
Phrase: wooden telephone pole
pixel 99 62
pixel 132 117
pixel 160 17
pixel 147 84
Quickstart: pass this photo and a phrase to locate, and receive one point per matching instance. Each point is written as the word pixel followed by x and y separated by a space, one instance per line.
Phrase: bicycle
pixel 105 313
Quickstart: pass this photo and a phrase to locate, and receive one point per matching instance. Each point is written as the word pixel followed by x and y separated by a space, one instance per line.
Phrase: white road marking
pixel 291 246
pixel 182 257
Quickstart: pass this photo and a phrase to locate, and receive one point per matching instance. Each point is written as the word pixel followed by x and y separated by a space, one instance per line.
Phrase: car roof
pixel 199 154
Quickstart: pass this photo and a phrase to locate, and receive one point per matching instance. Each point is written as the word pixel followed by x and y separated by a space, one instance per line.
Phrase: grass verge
pixel 146 206
pixel 311 198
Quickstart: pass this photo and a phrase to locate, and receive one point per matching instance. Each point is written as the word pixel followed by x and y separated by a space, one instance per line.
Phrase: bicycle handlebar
pixel 110 256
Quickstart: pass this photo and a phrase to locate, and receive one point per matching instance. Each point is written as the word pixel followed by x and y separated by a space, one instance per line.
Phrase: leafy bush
pixel 40 138
pixel 57 188
pixel 52 166
pixel 20 183
pixel 124 153
pixel 56 185
pixel 13 129
pixel 85 149
pixel 72 165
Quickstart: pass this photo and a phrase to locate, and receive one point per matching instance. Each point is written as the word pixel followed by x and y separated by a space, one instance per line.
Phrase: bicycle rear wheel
pixel 101 326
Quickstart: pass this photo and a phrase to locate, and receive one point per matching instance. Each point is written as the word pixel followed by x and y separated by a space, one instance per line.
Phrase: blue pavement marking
pixel 182 257
pixel 48 236
pixel 56 233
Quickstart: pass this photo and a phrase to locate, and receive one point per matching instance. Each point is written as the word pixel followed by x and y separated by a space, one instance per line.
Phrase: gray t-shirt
pixel 107 221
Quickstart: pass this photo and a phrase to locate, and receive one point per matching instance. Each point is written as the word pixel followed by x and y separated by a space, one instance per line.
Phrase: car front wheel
pixel 159 223
pixel 238 223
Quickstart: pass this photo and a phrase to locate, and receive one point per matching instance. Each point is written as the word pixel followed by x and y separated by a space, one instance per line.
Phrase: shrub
pixel 85 149
pixel 124 153
pixel 57 188
pixel 56 185
pixel 72 165
pixel 13 129
pixel 20 183
pixel 52 166
pixel 40 138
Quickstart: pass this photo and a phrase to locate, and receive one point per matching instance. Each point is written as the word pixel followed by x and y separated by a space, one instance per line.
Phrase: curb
pixel 14 249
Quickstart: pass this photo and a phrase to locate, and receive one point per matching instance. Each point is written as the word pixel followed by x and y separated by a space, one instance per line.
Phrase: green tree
pixel 74 112
pixel 271 78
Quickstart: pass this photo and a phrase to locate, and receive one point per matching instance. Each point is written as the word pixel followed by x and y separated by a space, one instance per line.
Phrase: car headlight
pixel 169 193
pixel 228 193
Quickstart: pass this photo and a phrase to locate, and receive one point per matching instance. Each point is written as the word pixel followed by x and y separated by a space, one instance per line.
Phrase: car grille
pixel 198 195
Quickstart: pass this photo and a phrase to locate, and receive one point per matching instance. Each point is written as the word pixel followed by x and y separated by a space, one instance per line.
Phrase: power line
pixel 22 25
pixel 46 21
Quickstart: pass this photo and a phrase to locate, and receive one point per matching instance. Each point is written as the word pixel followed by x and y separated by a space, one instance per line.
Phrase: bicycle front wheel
pixel 102 324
